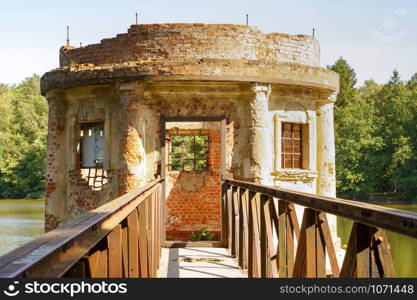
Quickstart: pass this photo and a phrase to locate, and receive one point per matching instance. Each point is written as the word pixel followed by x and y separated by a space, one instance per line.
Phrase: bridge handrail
pixel 262 231
pixel 395 220
pixel 55 253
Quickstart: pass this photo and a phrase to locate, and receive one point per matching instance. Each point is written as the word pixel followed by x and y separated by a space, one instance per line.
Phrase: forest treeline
pixel 23 131
pixel 375 135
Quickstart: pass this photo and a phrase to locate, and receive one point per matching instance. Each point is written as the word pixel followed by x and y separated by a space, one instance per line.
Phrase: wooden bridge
pixel 261 238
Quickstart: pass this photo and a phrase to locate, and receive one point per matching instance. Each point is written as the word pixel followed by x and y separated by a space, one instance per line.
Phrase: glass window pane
pixel 287 146
pixel 287 161
pixel 297 161
pixel 291 146
pixel 92 145
pixel 297 146
pixel 296 134
pixel 287 133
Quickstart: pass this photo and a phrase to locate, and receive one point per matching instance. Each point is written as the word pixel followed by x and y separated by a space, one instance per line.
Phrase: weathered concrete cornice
pixel 242 70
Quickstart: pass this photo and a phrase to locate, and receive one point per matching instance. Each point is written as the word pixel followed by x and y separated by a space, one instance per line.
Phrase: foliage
pixel 23 131
pixel 189 152
pixel 347 82
pixel 202 235
pixel 375 135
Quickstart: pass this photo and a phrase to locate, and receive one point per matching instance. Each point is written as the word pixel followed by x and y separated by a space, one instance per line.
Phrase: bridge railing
pixel 263 233
pixel 122 238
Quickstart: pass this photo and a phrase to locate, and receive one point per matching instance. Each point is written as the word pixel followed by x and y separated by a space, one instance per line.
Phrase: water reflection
pixel 21 221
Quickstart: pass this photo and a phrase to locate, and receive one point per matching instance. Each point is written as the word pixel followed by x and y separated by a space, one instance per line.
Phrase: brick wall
pixel 194 198
pixel 195 41
pixel 53 181
pixel 218 52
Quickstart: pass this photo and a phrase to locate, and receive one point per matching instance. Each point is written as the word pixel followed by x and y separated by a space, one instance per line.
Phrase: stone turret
pixel 111 99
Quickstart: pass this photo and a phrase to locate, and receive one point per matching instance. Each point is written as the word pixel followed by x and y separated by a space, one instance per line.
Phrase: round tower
pixel 109 104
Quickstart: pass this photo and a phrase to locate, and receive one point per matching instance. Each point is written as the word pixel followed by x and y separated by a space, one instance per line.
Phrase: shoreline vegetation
pixel 375 137
pixel 23 132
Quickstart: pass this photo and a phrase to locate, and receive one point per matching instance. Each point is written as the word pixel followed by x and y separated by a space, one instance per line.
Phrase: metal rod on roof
pixel 136 18
pixel 68 37
pixel 247 19
pixel 314 30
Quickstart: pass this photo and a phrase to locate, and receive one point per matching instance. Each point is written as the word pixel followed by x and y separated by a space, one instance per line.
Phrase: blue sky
pixel 375 36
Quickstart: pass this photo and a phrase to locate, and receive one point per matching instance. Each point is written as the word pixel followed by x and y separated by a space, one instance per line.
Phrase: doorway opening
pixel 193 168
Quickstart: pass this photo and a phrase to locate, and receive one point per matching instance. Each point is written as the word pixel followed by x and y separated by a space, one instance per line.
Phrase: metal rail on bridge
pixel 122 238
pixel 268 241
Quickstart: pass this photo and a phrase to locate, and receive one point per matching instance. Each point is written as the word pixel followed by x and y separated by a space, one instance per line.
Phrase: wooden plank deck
pixel 198 263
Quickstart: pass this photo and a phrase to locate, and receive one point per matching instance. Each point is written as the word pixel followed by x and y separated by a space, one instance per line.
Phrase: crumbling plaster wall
pixel 194 197
pixel 132 112
pixel 269 108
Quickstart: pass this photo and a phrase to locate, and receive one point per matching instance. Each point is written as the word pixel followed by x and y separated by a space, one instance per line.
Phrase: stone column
pixel 56 179
pixel 326 165
pixel 132 164
pixel 326 185
pixel 261 135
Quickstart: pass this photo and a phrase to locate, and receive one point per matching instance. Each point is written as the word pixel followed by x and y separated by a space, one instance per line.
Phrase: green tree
pixel 23 130
pixel 412 83
pixel 354 132
pixel 347 82
pixel 394 117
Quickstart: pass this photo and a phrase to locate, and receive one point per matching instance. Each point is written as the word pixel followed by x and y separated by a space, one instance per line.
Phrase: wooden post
pixel 143 243
pixel 241 249
pixel 263 204
pixel 251 230
pixel 367 254
pixel 236 222
pixel 102 265
pixel 133 227
pixel 256 239
pixel 271 256
pixel 225 218
pixel 282 240
pixel 245 229
pixel 230 220
pixel 311 250
pixel 125 248
pixel 310 259
pixel 114 242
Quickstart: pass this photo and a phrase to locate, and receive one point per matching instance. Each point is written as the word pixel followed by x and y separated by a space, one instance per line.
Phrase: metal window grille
pixel 291 146
pixel 188 153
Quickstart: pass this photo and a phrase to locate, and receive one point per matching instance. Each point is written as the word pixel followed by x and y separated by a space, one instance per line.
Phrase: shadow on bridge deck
pixel 198 263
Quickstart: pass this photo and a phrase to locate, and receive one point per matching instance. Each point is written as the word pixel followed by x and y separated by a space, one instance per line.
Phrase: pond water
pixel 21 220
pixel 403 248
